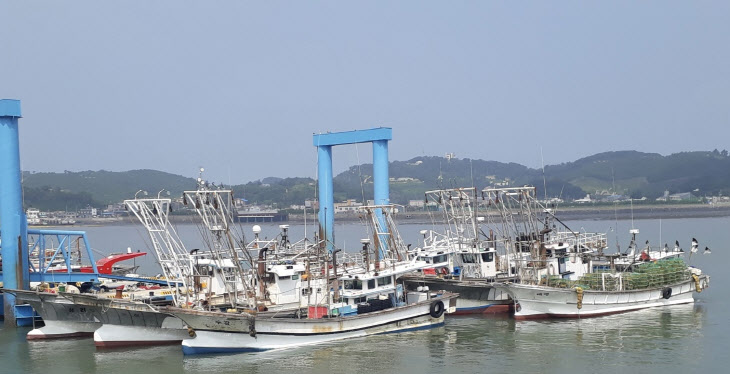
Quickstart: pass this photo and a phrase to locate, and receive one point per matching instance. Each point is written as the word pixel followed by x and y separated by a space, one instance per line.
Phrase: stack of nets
pixel 646 275
pixel 663 272
pixel 558 282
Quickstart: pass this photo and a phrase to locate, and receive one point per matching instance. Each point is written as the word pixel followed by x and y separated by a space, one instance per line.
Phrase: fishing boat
pixel 365 299
pixel 217 332
pixel 72 315
pixel 66 314
pixel 224 277
pixel 130 322
pixel 61 317
pixel 661 283
pixel 462 258
pixel 565 282
pixel 211 278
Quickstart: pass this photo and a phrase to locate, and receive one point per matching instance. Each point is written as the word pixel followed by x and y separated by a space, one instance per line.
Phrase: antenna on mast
pixel 544 182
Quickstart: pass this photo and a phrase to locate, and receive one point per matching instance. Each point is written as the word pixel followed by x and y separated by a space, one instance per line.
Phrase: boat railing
pixel 587 240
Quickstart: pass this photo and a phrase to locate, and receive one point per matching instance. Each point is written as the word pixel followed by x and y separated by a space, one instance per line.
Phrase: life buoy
pixel 667 292
pixel 437 309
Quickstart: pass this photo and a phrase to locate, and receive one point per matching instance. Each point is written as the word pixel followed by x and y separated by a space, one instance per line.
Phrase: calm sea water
pixel 679 339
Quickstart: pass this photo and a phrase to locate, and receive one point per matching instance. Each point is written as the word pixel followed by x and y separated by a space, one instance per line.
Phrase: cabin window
pixel 441 258
pixel 306 291
pixel 359 300
pixel 284 278
pixel 353 284
pixel 488 257
pixel 468 258
pixel 384 281
pixel 371 284
pixel 205 270
pixel 295 277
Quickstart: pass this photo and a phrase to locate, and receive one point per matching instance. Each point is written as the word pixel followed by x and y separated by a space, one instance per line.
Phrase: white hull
pixel 221 333
pixel 227 342
pixel 533 302
pixel 63 329
pixel 109 336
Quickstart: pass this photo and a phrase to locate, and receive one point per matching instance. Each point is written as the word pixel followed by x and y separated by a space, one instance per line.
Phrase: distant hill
pixel 104 187
pixel 438 172
pixel 648 174
pixel 625 172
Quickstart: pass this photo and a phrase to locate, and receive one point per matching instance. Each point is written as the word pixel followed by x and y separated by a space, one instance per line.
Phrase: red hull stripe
pixel 116 344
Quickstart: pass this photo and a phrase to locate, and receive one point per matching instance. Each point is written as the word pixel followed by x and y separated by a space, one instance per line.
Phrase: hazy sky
pixel 240 87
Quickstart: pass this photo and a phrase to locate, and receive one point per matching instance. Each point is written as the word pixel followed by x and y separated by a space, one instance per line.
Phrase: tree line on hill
pixel 629 173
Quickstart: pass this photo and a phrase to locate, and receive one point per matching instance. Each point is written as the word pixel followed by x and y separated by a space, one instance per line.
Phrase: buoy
pixel 579 291
pixel 697 283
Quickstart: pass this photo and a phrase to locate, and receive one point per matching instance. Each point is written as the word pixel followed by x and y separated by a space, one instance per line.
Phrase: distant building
pixel 348 206
pixel 113 210
pixel 718 200
pixel 311 204
pixel 681 196
pixel 676 197
pixel 87 212
pixel 615 198
pixel 403 180
pixel 586 199
pixel 416 203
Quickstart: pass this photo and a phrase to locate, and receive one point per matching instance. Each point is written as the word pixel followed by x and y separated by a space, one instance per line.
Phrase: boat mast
pixel 174 259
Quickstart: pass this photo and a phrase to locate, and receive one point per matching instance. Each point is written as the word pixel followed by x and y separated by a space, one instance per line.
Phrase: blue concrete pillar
pixel 326 214
pixel 380 172
pixel 381 187
pixel 13 223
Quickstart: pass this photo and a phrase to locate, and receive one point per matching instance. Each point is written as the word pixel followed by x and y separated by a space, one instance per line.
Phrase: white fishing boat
pixel 462 258
pixel 216 332
pixel 563 283
pixel 366 299
pixel 613 296
pixel 460 265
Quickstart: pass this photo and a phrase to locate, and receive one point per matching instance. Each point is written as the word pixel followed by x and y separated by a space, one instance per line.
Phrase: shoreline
pixel 566 213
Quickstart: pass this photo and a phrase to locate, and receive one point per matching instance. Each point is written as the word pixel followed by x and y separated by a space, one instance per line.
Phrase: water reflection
pixel 659 337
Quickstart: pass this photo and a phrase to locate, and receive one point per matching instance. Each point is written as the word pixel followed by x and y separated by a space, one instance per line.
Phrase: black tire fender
pixel 667 292
pixel 436 309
